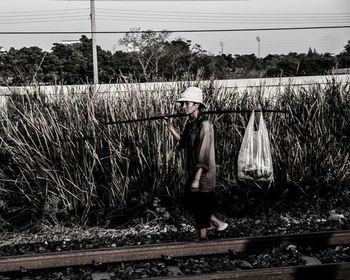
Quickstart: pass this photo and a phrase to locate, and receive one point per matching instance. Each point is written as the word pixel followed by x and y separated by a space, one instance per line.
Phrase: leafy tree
pixel 126 66
pixel 218 67
pixel 343 59
pixel 230 62
pixel 245 63
pixel 347 48
pixel 72 63
pixel 151 56
pixel 21 66
pixel 197 62
pixel 147 47
pixel 175 60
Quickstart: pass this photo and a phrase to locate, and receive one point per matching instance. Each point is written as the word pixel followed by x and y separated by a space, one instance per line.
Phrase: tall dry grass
pixel 59 159
pixel 317 133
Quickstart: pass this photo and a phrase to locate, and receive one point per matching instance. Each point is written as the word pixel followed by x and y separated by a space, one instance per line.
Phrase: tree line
pixel 152 56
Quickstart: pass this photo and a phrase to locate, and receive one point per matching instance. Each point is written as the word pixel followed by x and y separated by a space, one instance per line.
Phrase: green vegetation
pixel 58 160
pixel 152 57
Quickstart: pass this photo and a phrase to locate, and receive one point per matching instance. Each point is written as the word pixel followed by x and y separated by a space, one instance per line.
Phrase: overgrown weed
pixel 59 160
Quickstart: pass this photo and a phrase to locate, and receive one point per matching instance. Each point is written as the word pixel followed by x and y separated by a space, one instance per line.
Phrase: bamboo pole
pixel 184 115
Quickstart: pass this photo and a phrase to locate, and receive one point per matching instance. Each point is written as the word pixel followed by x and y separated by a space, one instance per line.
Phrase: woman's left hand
pixel 195 186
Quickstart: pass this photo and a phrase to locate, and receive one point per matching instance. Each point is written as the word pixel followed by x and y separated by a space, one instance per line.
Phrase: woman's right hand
pixel 195 186
pixel 168 122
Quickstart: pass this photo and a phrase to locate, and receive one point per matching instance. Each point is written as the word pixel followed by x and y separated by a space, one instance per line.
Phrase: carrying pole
pixel 203 113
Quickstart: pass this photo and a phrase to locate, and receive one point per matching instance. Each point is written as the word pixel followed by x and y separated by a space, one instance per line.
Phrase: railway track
pixel 185 249
pixel 314 272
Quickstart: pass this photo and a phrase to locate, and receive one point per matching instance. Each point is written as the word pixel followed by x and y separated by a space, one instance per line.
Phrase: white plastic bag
pixel 254 158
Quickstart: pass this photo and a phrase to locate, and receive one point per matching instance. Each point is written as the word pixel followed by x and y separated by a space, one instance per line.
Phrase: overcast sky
pixel 114 15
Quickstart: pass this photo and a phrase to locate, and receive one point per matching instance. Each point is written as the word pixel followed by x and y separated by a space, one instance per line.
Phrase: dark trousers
pixel 201 206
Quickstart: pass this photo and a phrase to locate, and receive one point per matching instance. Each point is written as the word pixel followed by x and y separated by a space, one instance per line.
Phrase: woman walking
pixel 197 141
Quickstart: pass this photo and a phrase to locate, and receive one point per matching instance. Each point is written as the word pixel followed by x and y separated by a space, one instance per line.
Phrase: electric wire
pixel 43 21
pixel 158 15
pixel 133 18
pixel 219 13
pixel 228 17
pixel 154 12
pixel 213 14
pixel 221 21
pixel 172 21
pixel 44 56
pixel 174 31
pixel 40 11
pixel 142 19
pixel 246 18
pixel 40 15
pixel 154 16
pixel 267 21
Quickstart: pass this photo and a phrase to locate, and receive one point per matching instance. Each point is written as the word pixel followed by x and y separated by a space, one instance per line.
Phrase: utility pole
pixel 93 37
pixel 258 39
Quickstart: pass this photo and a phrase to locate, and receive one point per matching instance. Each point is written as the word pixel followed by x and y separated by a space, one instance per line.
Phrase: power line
pixel 198 13
pixel 174 16
pixel 171 17
pixel 118 12
pixel 173 31
pixel 253 15
pixel 140 19
pixel 20 15
pixel 246 18
pixel 40 11
pixel 268 17
pixel 233 19
pixel 47 20
pixel 146 18
pixel 43 57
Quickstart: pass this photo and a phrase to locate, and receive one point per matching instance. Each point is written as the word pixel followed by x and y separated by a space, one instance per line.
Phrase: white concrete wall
pixel 269 86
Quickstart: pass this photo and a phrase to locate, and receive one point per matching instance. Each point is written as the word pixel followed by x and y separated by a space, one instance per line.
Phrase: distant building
pixel 340 71
pixel 69 42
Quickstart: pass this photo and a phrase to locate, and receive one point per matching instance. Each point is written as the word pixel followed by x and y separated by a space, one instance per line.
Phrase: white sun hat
pixel 192 94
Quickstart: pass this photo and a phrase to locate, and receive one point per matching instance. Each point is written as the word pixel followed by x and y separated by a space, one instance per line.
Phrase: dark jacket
pixel 197 140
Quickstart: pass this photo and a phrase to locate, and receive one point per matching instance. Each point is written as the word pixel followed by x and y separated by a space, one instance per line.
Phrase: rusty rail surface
pixel 334 271
pixel 178 249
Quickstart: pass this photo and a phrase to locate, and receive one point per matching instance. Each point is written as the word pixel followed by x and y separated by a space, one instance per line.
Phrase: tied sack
pixel 254 158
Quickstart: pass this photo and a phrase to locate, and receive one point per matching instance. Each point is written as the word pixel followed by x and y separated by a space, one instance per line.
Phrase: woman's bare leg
pixel 203 233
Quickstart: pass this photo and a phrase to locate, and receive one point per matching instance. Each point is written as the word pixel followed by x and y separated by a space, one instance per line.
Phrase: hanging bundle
pixel 254 158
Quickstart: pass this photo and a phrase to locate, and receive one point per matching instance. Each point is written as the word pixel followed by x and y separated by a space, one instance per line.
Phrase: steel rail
pixel 178 249
pixel 339 271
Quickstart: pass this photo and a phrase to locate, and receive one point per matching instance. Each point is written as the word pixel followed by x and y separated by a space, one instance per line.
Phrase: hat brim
pixel 189 100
